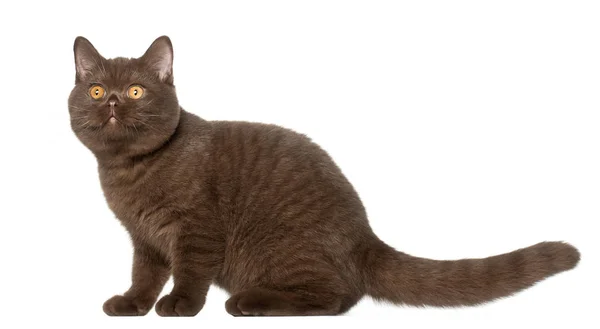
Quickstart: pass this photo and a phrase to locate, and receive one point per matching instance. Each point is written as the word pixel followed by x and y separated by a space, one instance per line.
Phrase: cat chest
pixel 146 217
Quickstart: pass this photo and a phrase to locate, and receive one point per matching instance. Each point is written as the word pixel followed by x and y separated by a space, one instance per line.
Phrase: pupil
pixel 135 92
pixel 97 91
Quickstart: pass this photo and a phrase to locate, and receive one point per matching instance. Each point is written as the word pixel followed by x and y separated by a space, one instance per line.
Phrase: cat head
pixel 124 106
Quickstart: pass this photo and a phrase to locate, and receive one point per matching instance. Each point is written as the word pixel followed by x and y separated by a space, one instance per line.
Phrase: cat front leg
pixel 149 274
pixel 197 258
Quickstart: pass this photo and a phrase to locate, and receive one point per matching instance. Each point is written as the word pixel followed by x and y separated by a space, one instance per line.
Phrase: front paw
pixel 126 306
pixel 172 305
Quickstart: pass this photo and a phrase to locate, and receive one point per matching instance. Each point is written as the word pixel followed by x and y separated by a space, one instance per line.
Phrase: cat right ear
pixel 159 59
pixel 86 58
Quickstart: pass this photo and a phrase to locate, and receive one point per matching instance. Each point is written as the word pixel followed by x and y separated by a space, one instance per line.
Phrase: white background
pixel 469 128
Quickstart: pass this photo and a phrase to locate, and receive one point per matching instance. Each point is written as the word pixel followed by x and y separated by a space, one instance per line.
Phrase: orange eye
pixel 135 92
pixel 97 92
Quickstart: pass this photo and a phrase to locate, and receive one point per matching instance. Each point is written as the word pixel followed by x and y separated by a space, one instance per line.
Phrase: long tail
pixel 404 279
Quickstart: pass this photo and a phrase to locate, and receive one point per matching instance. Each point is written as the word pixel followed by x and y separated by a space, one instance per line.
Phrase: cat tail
pixel 400 278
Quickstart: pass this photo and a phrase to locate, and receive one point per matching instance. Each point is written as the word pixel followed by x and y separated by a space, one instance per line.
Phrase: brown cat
pixel 256 209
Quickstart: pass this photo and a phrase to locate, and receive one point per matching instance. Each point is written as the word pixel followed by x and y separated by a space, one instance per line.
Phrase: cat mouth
pixel 111 121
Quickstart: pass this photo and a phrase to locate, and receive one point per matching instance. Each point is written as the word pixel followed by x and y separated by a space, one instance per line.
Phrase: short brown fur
pixel 257 209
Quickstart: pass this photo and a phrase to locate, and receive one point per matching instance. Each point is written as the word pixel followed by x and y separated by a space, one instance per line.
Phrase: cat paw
pixel 126 306
pixel 172 305
pixel 247 304
pixel 231 306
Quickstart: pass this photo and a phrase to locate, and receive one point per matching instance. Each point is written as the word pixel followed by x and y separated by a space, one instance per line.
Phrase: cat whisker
pixel 77 108
pixel 80 116
pixel 134 127
pixel 147 125
pixel 126 128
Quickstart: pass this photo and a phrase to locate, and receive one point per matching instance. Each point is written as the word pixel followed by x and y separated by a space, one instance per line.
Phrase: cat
pixel 257 209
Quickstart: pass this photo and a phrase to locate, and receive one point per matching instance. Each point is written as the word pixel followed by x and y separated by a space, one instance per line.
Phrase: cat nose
pixel 113 101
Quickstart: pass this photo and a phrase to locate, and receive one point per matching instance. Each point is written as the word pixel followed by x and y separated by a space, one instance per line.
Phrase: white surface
pixel 480 121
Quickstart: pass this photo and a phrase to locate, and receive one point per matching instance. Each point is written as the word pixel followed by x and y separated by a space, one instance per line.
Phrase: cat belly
pixel 241 271
pixel 277 260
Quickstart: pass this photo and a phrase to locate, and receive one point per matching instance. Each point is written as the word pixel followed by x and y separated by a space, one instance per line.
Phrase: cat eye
pixel 97 92
pixel 135 92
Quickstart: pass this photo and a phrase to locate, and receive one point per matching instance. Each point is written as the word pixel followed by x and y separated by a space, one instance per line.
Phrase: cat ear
pixel 159 58
pixel 86 57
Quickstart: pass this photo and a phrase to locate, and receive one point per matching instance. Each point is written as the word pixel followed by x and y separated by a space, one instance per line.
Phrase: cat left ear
pixel 86 57
pixel 159 58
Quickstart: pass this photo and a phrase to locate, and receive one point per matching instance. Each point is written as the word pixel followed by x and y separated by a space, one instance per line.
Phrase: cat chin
pixel 106 134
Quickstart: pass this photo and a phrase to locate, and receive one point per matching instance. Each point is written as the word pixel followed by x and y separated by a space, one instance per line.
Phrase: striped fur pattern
pixel 256 209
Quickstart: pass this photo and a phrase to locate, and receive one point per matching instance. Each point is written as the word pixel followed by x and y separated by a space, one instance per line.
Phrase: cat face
pixel 124 105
